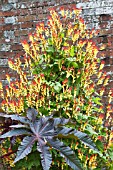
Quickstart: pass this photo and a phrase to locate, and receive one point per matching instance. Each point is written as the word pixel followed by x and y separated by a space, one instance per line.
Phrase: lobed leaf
pixel 80 135
pixel 67 152
pixel 47 127
pixel 46 157
pixel 16 132
pixel 31 114
pixel 60 121
pixel 15 117
pixel 25 148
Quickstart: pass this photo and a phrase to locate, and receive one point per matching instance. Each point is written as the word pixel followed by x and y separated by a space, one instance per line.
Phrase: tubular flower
pixel 62 11
pixel 31 38
pixel 106 80
pixel 101 117
pixel 102 65
pixel 8 77
pixel 25 46
pixel 11 64
pixel 110 96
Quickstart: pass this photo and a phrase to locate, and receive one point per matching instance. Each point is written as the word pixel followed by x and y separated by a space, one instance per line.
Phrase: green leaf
pixel 98 110
pixel 74 64
pixel 57 87
pixel 111 155
pixel 50 49
pixel 50 41
pixel 77 89
pixel 31 162
pixel 71 59
pixel 43 111
pixel 100 145
pixel 89 128
pixel 72 53
pixel 62 35
pixel 96 100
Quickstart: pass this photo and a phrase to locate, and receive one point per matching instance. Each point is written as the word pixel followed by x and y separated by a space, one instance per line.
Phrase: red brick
pixel 103 25
pixel 3 72
pixel 1 27
pixel 10 54
pixel 41 16
pixel 108 68
pixel 98 39
pixel 7 13
pixel 6 54
pixel 108 60
pixel 104 53
pixel 1 20
pixel 28 25
pixel 2 41
pixel 110 38
pixel 1 34
pixel 105 17
pixel 111 52
pixel 35 11
pixel 8 27
pixel 22 12
pixel 16 26
pixel 105 32
pixel 21 32
pixel 16 47
pixel 26 18
pixel 111 84
pixel 24 37
pixel 20 53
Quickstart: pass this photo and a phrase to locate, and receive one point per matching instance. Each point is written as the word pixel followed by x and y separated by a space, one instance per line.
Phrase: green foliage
pixel 31 162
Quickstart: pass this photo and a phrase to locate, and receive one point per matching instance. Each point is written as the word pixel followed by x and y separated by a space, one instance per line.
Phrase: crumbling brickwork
pixel 18 18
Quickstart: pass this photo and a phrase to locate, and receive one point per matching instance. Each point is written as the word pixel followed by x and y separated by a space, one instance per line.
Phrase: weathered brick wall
pixel 19 17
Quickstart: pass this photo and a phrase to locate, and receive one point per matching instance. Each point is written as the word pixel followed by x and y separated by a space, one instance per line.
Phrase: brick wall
pixel 19 17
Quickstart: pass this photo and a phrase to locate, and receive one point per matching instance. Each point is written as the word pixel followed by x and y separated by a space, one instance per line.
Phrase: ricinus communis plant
pixel 46 132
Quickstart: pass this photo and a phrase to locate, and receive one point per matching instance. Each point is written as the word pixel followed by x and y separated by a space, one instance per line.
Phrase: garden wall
pixel 18 18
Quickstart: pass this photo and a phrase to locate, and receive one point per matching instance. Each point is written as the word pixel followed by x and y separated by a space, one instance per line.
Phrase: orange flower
pixel 65 81
pixel 8 77
pixel 1 87
pixel 25 45
pixel 31 37
pixel 106 80
pixel 100 138
pixel 102 65
pixel 101 116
